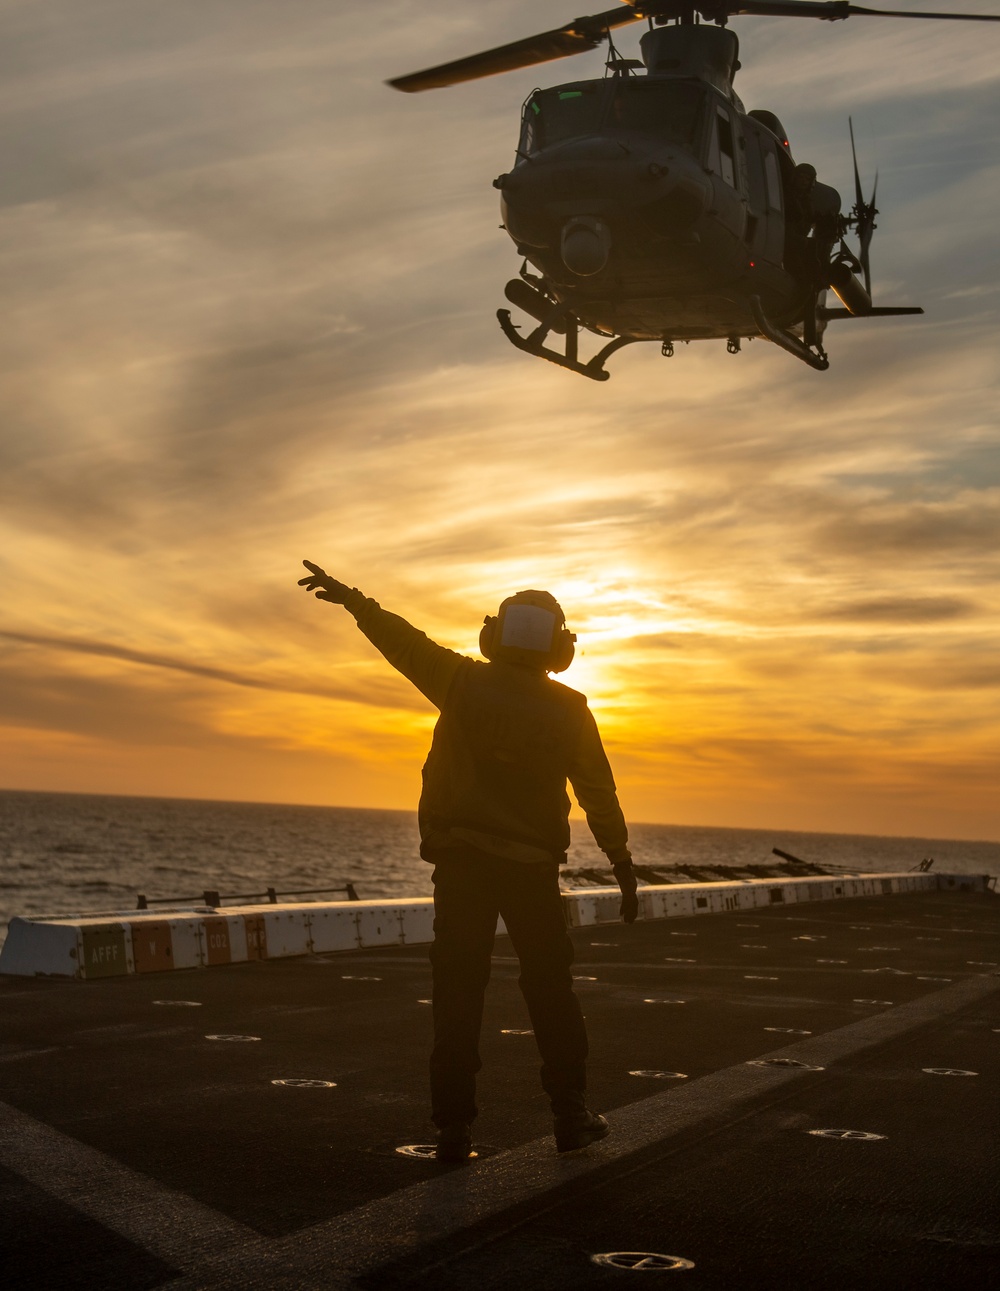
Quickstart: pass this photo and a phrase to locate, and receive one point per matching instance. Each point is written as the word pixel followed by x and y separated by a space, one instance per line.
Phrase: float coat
pixel 507 741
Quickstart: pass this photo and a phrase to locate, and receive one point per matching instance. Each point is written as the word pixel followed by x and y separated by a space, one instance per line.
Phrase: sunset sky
pixel 249 303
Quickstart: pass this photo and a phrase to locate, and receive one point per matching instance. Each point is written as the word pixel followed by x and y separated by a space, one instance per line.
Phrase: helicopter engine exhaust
pixel 585 245
pixel 852 293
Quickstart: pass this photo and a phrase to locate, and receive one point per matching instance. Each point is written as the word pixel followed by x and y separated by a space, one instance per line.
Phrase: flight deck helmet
pixel 529 629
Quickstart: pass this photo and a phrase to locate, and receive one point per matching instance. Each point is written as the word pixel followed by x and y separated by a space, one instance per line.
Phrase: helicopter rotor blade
pixel 913 13
pixel 866 230
pixel 858 195
pixel 827 10
pixel 864 214
pixel 576 37
pixel 587 33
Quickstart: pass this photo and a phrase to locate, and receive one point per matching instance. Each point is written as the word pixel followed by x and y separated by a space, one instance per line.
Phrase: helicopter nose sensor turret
pixel 584 245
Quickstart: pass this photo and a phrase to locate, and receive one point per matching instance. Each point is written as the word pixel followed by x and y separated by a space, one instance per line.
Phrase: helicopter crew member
pixel 813 224
pixel 494 822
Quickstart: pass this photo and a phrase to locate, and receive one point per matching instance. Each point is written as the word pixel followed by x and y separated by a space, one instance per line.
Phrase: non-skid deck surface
pixel 137 1152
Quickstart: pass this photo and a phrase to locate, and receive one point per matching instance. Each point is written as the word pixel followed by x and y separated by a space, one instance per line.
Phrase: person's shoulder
pixel 466 667
pixel 567 694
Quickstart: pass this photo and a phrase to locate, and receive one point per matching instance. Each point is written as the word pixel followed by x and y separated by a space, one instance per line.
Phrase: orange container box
pixel 152 945
pixel 218 948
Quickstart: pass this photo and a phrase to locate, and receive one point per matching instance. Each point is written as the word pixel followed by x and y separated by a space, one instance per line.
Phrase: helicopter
pixel 654 207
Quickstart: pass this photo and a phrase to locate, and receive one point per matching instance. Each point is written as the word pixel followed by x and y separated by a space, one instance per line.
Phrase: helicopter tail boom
pixel 855 298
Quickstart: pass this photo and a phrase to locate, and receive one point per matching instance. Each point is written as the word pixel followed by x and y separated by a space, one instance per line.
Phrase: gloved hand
pixel 330 589
pixel 625 878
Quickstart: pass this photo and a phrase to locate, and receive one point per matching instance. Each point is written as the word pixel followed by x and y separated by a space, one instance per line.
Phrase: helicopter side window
pixel 771 179
pixel 727 152
pixel 565 112
pixel 670 110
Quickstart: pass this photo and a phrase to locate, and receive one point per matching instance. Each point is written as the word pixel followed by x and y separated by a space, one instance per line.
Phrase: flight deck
pixel 800 1096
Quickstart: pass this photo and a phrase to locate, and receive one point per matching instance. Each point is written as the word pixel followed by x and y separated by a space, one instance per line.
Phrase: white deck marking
pixel 210 1250
pixel 168 1224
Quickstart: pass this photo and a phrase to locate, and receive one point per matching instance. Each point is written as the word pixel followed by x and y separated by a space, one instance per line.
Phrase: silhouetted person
pixel 813 214
pixel 494 822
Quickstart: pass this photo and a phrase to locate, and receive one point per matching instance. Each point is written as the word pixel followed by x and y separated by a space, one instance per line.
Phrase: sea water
pixel 63 853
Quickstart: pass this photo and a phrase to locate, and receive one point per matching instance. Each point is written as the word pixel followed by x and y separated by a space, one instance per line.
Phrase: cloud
pixel 378 694
pixel 915 609
pixel 251 294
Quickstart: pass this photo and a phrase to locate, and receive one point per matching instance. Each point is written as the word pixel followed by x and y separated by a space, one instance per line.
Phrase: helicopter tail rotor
pixel 865 230
pixel 855 298
pixel 863 215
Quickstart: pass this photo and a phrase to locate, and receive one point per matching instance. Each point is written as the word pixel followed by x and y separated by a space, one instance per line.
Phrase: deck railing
pixel 213 898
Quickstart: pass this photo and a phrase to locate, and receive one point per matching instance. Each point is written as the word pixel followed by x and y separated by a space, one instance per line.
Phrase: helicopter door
pixel 775 247
pixel 723 161
pixel 765 232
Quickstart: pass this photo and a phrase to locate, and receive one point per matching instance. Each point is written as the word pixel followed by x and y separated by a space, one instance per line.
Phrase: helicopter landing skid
pixel 816 358
pixel 534 342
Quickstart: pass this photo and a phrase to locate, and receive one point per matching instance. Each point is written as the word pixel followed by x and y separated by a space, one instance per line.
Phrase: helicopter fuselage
pixel 654 206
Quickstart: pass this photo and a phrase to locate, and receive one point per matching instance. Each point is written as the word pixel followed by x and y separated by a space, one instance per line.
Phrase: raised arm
pixel 429 666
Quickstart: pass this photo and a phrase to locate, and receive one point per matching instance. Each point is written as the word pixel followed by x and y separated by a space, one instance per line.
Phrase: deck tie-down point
pixel 424 1152
pixel 642 1260
pixel 299 1082
pixel 783 1062
pixel 865 1136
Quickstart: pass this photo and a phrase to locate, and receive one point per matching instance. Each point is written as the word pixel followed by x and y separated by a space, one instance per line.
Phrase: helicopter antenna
pixel 863 215
pixel 617 64
pixel 614 58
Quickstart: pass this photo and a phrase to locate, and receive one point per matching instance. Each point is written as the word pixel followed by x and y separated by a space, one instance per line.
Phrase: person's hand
pixel 625 878
pixel 329 589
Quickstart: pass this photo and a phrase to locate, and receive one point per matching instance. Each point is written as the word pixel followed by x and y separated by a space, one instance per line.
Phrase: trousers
pixel 471 889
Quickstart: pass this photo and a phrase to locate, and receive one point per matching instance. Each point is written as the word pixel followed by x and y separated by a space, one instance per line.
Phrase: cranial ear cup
pixel 565 649
pixel 487 635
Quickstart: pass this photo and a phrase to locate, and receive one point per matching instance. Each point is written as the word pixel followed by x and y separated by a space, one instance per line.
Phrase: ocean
pixel 61 853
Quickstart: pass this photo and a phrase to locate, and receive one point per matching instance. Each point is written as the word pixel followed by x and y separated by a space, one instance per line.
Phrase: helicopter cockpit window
pixel 566 112
pixel 668 109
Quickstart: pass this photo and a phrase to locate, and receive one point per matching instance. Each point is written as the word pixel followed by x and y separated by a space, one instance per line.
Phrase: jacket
pixel 507 741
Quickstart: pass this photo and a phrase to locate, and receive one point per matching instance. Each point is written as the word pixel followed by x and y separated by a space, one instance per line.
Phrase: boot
pixel 454 1143
pixel 579 1129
